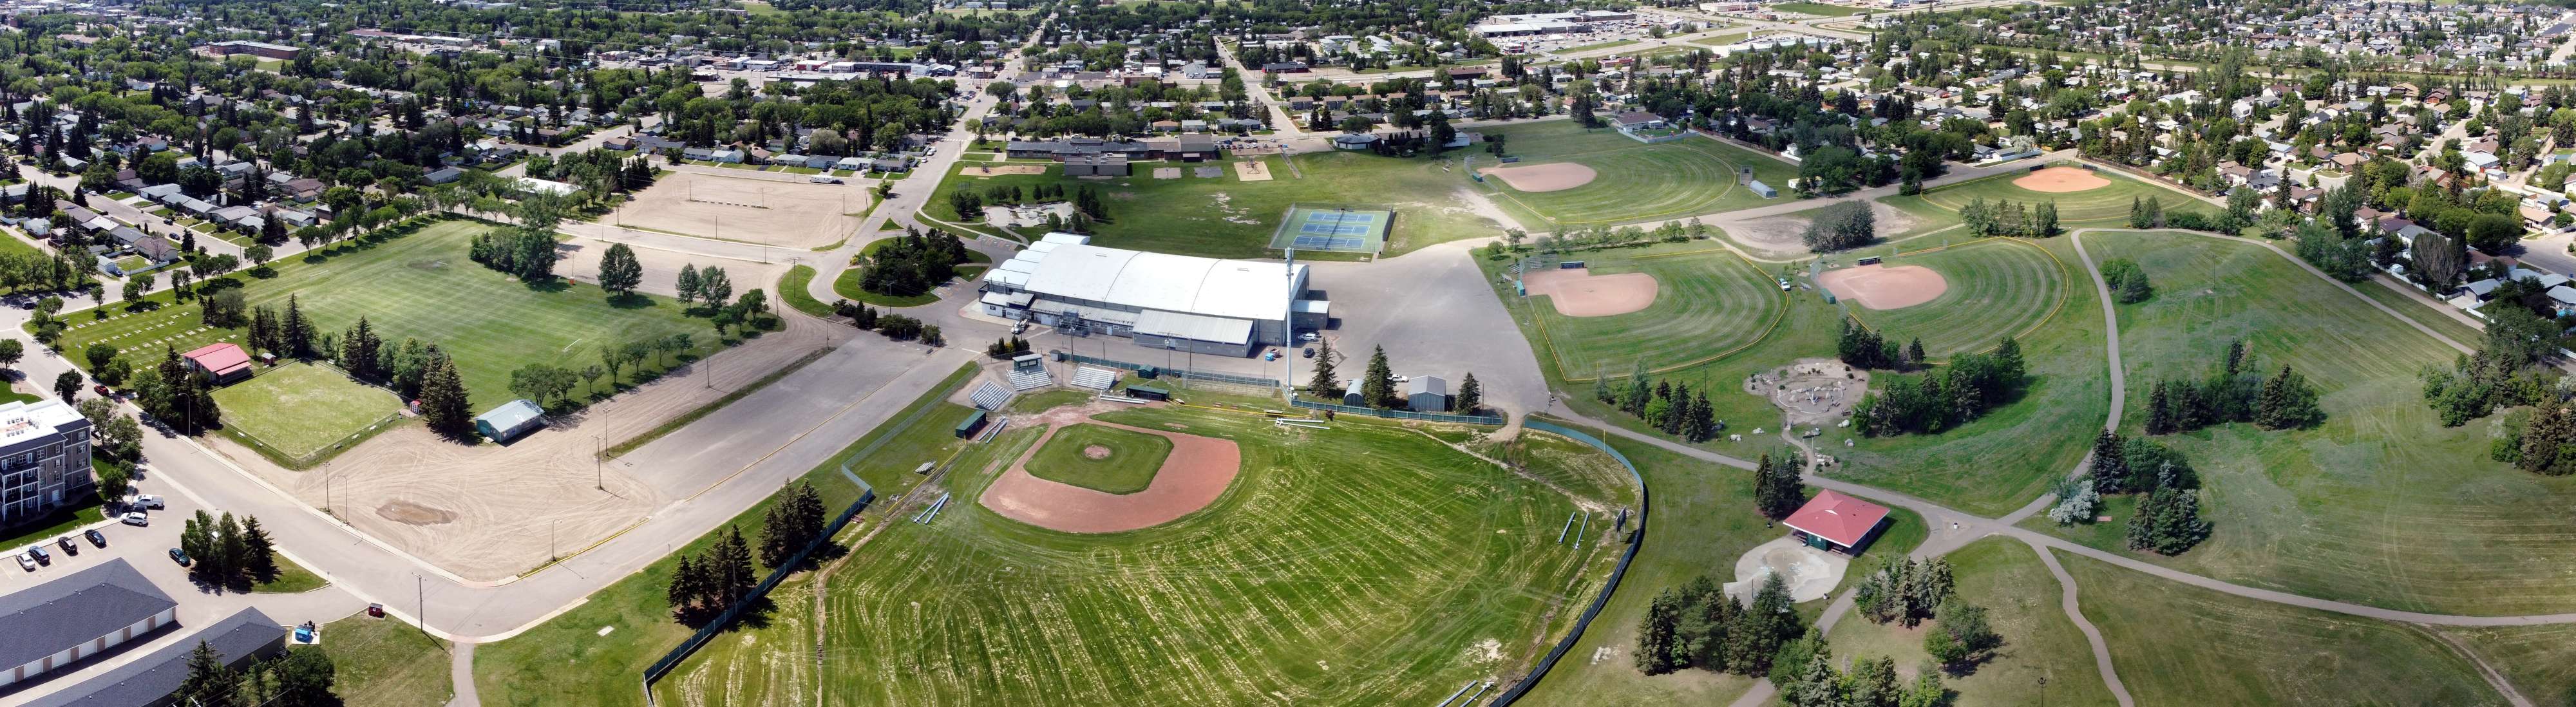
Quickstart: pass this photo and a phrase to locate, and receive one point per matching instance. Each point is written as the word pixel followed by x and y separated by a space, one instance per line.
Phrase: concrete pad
pixel 1811 573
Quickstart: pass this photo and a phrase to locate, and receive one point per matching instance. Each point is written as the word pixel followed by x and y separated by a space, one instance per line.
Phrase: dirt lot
pixel 1254 171
pixel 2062 180
pixel 1777 236
pixel 786 214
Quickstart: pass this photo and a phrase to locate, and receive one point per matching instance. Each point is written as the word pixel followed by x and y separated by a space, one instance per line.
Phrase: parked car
pixel 69 548
pixel 824 180
pixel 1019 327
pixel 179 556
pixel 1270 355
pixel 136 518
pixel 150 501
pixel 42 557
pixel 101 390
pixel 26 563
pixel 1310 352
pixel 1310 336
pixel 95 537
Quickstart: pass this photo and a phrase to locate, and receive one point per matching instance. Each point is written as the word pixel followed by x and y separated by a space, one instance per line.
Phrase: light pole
pixel 599 462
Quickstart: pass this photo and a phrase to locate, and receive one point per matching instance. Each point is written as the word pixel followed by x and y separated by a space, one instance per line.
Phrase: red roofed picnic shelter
pixel 1839 523
pixel 220 362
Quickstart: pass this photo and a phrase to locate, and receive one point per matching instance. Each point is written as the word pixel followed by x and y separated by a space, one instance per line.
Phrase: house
pixel 1427 394
pixel 221 362
pixel 510 421
pixel 86 613
pixel 1354 141
pixel 444 175
pixel 1837 523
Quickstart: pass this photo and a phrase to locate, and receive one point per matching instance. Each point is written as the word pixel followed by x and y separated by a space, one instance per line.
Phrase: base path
pixel 1579 293
pixel 1193 476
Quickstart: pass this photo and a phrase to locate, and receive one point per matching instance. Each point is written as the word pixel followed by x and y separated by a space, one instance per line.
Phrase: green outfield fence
pixel 1183 373
pixel 1635 540
pixel 1397 414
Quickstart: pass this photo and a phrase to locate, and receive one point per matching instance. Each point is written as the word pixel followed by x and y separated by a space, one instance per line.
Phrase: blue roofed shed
pixel 510 421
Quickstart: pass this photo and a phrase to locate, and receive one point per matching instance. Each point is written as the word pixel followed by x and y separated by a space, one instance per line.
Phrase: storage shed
pixel 510 421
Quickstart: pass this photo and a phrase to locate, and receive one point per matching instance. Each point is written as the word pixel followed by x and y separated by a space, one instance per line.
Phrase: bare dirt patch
pixel 981 170
pixel 409 513
pixel 1027 215
pixel 1196 473
pixel 1579 293
pixel 1252 171
pixel 2061 180
pixel 1812 391
pixel 1167 172
pixel 748 209
pixel 1553 176
pixel 1095 452
pixel 1779 236
pixel 1885 287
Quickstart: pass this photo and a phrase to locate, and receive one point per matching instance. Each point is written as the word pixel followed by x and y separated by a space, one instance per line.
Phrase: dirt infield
pixel 2060 180
pixel 1252 171
pixel 1553 176
pixel 1783 236
pixel 1579 293
pixel 749 209
pixel 1198 470
pixel 990 170
pixel 1884 287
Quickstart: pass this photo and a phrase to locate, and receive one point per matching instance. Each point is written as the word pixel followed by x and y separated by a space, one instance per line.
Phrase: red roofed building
pixel 223 363
pixel 1832 521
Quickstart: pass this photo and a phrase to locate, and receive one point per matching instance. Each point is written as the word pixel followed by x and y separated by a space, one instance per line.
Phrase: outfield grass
pixel 2020 598
pixel 1634 181
pixel 423 286
pixel 1997 288
pixel 1128 465
pixel 2380 505
pixel 2540 661
pixel 299 410
pixel 1227 218
pixel 1817 8
pixel 1707 301
pixel 386 662
pixel 1366 565
pixel 2107 206
pixel 2175 644
pixel 528 670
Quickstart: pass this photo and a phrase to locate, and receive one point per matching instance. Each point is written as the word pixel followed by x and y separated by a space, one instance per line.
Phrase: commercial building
pixel 153 679
pixel 44 461
pixel 1164 302
pixel 65 621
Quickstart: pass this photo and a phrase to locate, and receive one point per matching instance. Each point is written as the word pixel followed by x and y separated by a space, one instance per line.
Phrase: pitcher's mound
pixel 1885 287
pixel 1556 176
pixel 1579 293
pixel 2060 180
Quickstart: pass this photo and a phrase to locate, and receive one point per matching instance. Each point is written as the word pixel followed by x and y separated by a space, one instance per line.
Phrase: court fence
pixel 671 661
pixel 1636 539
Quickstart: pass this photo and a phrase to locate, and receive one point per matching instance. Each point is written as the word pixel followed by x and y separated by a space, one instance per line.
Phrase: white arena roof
pixel 1242 289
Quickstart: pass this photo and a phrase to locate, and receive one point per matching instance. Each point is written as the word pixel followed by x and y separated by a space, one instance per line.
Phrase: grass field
pixel 291 579
pixel 1367 565
pixel 1707 301
pixel 1817 8
pixel 1228 218
pixel 2380 505
pixel 1634 181
pixel 300 409
pixel 2174 644
pixel 2540 661
pixel 2020 598
pixel 2107 206
pixel 386 662
pixel 527 671
pixel 421 285
pixel 1997 288
pixel 1127 466
pixel 792 288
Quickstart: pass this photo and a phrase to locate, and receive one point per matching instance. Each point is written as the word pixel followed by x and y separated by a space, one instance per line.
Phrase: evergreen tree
pixel 2044 224
pixel 209 683
pixel 443 401
pixel 2110 467
pixel 259 557
pixel 1655 633
pixel 732 573
pixel 2155 213
pixel 687 585
pixel 1777 490
pixel 791 524
pixel 295 332
pixel 2167 521
pixel 1378 385
pixel 2544 439
pixel 688 285
pixel 1324 384
pixel 2287 401
pixel 2160 411
pixel 1471 395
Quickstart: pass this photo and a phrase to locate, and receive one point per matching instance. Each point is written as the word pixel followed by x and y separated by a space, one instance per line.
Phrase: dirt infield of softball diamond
pixel 2061 180
pixel 1579 293
pixel 752 210
pixel 1884 287
pixel 991 170
pixel 1553 176
pixel 1197 471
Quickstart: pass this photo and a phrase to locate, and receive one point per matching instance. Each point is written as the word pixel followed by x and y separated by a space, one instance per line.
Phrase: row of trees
pixel 1940 399
pixel 1903 592
pixel 2499 374
pixel 2167 519
pixel 1664 404
pixel 913 263
pixel 892 326
pixel 302 677
pixel 1866 348
pixel 2233 393
pixel 705 583
pixel 2009 218
pixel 1697 625
pixel 228 552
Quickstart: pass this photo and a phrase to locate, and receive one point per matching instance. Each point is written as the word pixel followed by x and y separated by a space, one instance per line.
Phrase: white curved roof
pixel 1243 289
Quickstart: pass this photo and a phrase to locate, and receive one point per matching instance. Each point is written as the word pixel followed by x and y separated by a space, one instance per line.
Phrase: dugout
pixel 973 423
pixel 1145 393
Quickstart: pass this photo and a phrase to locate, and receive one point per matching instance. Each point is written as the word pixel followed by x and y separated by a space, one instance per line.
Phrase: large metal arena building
pixel 1162 301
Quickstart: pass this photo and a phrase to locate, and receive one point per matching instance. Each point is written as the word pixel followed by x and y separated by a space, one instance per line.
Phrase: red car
pixel 100 389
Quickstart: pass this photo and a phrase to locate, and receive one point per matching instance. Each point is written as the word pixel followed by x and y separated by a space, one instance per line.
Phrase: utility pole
pixel 599 462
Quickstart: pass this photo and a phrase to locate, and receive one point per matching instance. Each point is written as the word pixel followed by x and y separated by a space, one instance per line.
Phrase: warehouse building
pixel 1162 301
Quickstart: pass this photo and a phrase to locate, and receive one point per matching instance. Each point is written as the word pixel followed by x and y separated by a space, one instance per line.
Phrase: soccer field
pixel 1367 564
pixel 1997 288
pixel 1708 302
pixel 301 409
pixel 1634 181
pixel 421 285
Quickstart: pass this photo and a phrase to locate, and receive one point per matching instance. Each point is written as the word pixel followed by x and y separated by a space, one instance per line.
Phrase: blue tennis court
pixel 1331 243
pixel 1342 229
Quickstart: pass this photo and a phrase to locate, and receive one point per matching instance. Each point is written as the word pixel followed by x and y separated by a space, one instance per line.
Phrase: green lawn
pixel 2020 599
pixel 52 526
pixel 1366 565
pixel 422 285
pixel 1817 8
pixel 300 410
pixel 849 284
pixel 794 288
pixel 2174 644
pixel 1997 288
pixel 2106 206
pixel 1101 458
pixel 1707 301
pixel 2540 661
pixel 1633 181
pixel 2380 505
pixel 386 662
pixel 291 579
pixel 1599 45
pixel 1228 218
pixel 528 670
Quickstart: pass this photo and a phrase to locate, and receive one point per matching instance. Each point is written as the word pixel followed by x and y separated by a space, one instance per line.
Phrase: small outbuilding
pixel 1763 190
pixel 1427 394
pixel 1837 523
pixel 510 421
pixel 973 423
pixel 221 363
pixel 1351 394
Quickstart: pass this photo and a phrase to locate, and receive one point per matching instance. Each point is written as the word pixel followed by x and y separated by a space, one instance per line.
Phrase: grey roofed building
pixel 1427 394
pixel 57 623
pixel 444 175
pixel 151 680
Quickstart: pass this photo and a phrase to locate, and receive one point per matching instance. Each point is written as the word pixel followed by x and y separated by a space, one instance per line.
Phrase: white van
pixel 824 180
